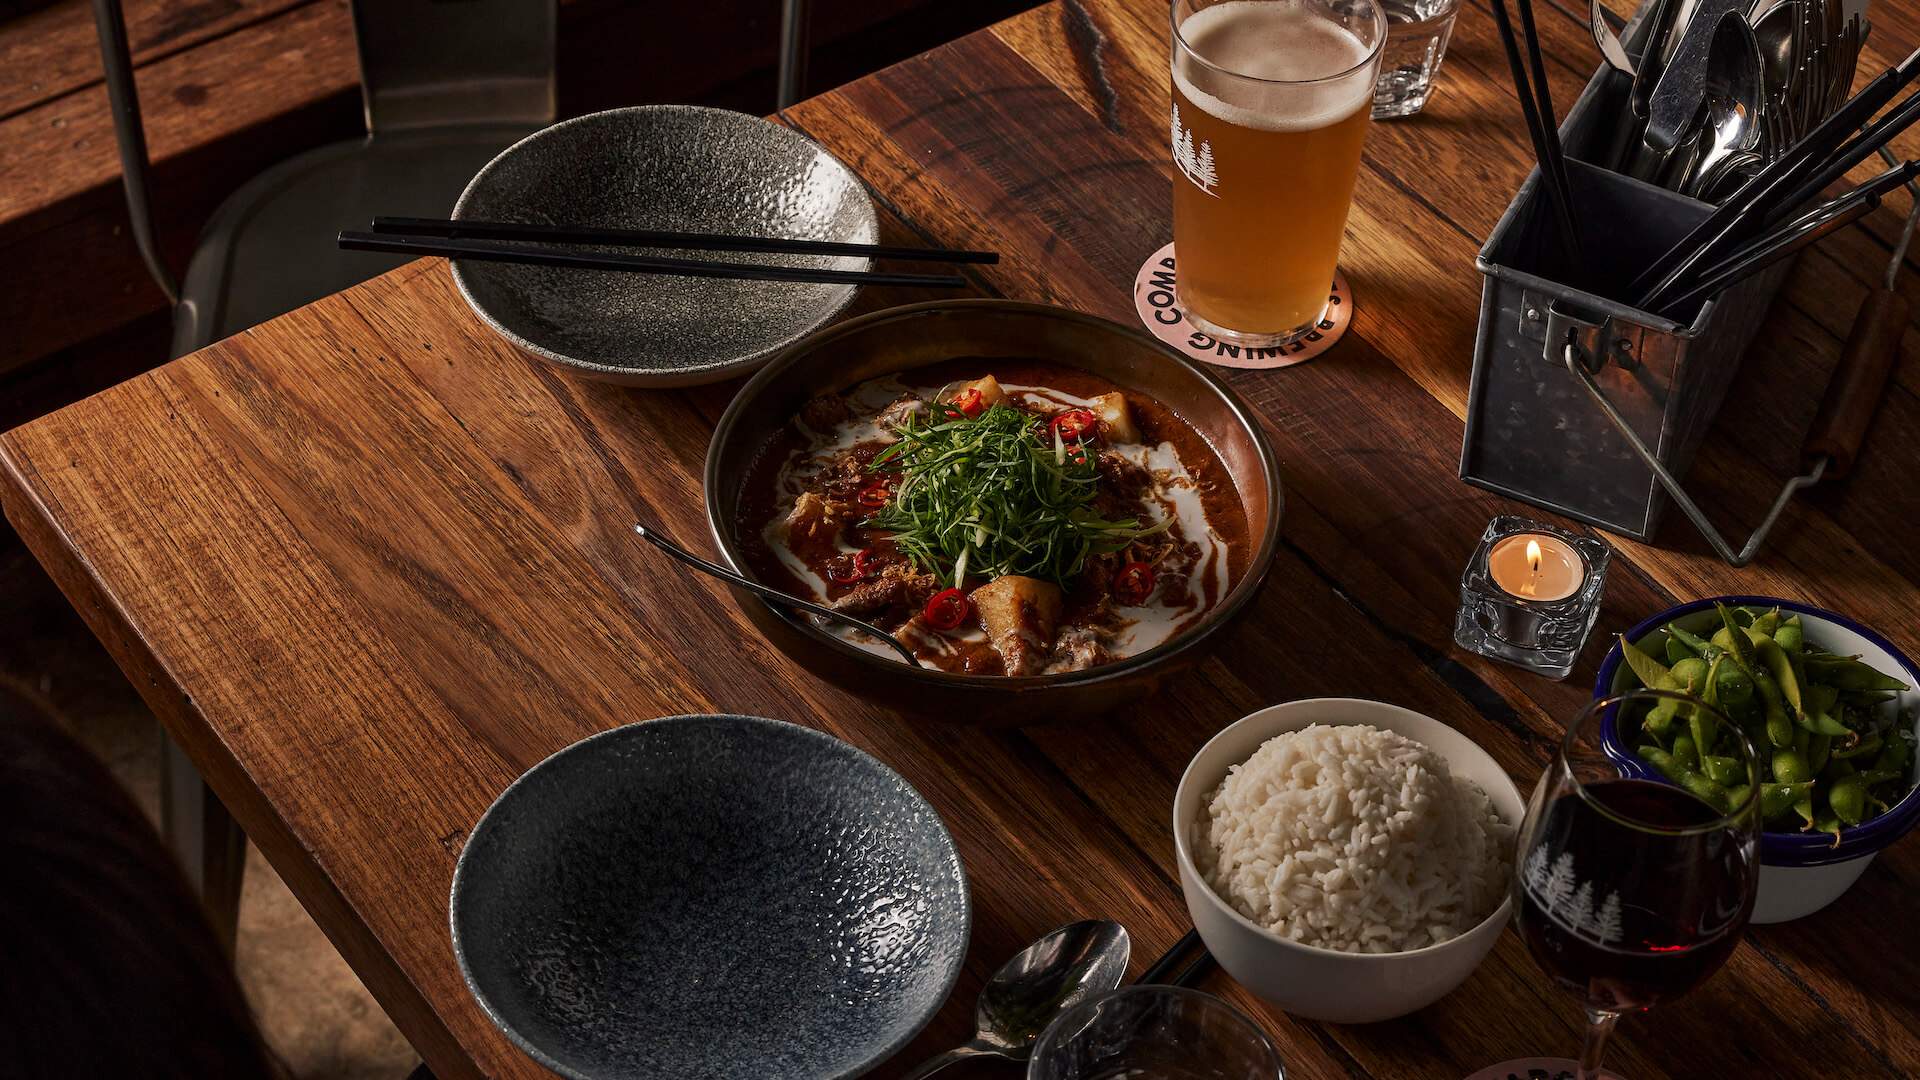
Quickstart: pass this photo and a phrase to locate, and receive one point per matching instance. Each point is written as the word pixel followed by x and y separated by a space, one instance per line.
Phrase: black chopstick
pixel 1192 973
pixel 1869 142
pixel 661 238
pixel 490 251
pixel 1762 194
pixel 1807 229
pixel 1538 131
pixel 1551 130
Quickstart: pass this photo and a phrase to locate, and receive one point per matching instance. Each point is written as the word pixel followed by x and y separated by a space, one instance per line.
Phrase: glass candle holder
pixel 1530 595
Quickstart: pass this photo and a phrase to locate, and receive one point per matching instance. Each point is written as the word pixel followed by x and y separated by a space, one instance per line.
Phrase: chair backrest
pixel 423 63
pixel 432 63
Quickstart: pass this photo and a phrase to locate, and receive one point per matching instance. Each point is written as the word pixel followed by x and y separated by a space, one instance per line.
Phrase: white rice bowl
pixel 1355 839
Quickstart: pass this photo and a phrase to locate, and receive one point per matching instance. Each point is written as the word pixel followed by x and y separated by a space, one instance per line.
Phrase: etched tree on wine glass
pixel 1559 887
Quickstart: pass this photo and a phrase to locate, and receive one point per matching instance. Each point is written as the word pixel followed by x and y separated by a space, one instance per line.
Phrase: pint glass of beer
pixel 1270 102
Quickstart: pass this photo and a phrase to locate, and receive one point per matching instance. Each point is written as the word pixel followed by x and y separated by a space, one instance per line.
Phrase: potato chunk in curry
pixel 1020 615
pixel 1113 411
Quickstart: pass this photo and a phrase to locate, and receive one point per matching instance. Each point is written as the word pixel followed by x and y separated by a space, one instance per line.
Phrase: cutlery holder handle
pixel 1859 382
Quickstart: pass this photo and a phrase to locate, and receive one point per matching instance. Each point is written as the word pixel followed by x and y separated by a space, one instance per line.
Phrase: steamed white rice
pixel 1355 839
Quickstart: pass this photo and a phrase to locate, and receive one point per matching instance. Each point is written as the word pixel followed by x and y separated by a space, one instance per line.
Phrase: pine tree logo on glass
pixel 1570 902
pixel 1197 164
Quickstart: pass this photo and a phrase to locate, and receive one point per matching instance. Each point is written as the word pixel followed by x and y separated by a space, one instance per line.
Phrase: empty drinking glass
pixel 1157 1032
pixel 1417 33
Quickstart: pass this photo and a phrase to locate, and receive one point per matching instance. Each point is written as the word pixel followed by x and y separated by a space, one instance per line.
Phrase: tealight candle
pixel 1530 595
pixel 1535 566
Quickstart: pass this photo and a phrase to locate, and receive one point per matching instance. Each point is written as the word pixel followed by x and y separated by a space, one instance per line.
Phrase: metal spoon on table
pixel 1049 976
pixel 652 536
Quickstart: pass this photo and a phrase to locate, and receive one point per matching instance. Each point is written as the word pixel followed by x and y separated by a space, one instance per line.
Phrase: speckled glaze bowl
pixel 677 167
pixel 710 896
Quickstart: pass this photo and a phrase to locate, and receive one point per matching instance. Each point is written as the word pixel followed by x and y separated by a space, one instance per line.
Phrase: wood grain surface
pixel 369 564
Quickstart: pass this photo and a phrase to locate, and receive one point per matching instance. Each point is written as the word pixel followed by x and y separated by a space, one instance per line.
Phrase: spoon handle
pixel 940 1061
pixel 652 536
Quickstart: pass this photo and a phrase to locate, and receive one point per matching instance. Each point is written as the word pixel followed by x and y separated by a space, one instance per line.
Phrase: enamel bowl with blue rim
pixel 1800 872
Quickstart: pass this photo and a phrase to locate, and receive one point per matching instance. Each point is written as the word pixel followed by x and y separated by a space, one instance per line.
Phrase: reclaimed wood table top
pixel 369 564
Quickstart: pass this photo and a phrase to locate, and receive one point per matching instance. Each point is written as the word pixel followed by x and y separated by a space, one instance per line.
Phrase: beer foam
pixel 1279 41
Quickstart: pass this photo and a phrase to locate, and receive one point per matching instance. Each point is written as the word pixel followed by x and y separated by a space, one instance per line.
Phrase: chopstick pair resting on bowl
pixel 547 245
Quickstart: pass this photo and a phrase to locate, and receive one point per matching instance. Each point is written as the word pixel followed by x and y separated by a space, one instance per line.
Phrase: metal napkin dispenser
pixel 1566 377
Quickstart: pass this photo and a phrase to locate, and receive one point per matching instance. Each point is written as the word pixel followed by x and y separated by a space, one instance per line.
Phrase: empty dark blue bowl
pixel 710 896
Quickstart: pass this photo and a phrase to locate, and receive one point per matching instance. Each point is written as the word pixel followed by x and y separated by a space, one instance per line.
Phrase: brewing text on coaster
pixel 1153 299
pixel 1536 1069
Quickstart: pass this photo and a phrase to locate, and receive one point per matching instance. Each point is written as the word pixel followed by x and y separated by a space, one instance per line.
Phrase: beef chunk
pixel 897 589
pixel 823 413
pixel 813 525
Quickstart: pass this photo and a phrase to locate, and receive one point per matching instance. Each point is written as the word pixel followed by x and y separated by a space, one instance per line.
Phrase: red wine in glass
pixel 1625 900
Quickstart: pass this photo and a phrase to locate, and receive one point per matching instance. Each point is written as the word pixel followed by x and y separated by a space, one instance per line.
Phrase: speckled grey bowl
pixel 678 167
pixel 710 896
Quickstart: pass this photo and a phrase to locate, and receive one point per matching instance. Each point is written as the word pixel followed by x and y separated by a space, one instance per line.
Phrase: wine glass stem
pixel 1599 1025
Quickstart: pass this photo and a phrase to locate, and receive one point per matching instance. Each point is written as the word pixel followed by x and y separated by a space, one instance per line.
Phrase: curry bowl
pixel 905 339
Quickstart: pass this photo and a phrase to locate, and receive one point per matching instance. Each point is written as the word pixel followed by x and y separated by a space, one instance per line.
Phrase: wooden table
pixel 369 564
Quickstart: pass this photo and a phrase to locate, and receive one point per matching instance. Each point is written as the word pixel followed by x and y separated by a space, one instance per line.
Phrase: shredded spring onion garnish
pixel 987 496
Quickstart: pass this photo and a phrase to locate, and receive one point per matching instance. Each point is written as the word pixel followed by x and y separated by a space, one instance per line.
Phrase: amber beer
pixel 1270 104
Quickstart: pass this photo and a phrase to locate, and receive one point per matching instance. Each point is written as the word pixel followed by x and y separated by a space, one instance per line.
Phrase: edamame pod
pixel 1779 724
pixel 1819 750
pixel 1705 728
pixel 1721 769
pixel 1774 659
pixel 1690 675
pixel 1661 761
pixel 1735 639
pixel 1849 673
pixel 1872 744
pixel 1791 638
pixel 1848 799
pixel 1776 800
pixel 1767 624
pixel 1733 686
pixel 1830 825
pixel 1693 641
pixel 1895 754
pixel 1685 754
pixel 1654 674
pixel 1790 767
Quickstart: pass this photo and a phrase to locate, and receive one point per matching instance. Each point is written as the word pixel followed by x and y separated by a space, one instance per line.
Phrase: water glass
pixel 1417 33
pixel 1157 1032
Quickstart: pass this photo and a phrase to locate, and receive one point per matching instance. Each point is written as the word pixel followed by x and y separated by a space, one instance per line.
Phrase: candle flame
pixel 1533 556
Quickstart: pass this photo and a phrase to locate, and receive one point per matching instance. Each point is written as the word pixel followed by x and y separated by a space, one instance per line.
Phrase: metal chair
pixel 446 87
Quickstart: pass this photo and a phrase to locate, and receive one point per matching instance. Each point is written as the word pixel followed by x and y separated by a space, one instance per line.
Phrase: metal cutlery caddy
pixel 1565 379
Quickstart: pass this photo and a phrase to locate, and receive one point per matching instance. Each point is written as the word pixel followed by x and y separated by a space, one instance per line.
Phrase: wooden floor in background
pixel 316 1014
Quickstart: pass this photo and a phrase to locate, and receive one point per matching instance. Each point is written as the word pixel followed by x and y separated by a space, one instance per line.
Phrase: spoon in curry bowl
pixel 653 536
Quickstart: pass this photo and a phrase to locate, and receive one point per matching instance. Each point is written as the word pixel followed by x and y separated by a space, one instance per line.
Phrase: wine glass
pixel 1632 892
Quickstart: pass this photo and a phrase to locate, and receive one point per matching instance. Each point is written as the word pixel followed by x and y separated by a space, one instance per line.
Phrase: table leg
pixel 210 845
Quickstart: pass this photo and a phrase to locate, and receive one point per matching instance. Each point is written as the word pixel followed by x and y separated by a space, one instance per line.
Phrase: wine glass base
pixel 1538 1068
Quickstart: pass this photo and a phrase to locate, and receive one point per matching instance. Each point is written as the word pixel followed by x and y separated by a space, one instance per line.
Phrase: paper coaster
pixel 1153 299
pixel 1537 1069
